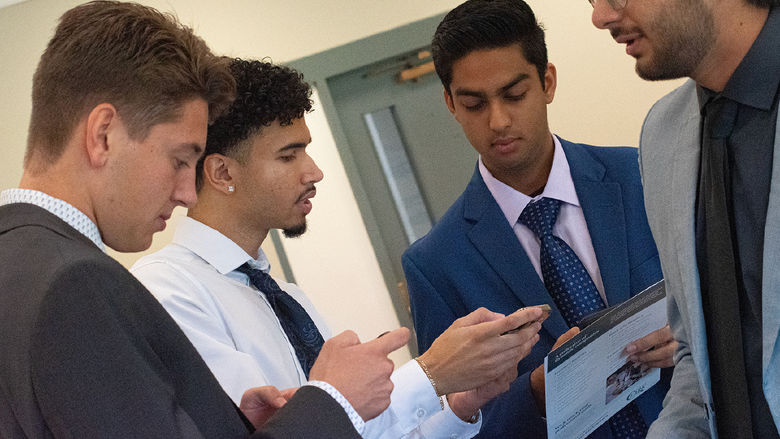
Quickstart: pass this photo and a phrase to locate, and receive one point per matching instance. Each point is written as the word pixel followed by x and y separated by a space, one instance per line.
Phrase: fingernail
pixel 630 349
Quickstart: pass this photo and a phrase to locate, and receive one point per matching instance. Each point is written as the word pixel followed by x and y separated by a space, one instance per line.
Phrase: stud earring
pixel 231 188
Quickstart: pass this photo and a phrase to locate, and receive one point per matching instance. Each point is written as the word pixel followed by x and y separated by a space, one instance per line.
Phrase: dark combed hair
pixel 265 92
pixel 487 24
pixel 764 3
pixel 134 57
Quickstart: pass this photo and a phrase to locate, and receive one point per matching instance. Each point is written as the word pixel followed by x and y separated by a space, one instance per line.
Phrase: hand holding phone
pixel 545 313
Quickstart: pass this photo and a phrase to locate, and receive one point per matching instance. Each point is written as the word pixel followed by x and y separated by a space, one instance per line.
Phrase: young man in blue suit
pixel 492 60
pixel 712 178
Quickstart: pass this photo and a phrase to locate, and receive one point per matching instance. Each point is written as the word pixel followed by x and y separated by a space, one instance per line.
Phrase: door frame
pixel 320 67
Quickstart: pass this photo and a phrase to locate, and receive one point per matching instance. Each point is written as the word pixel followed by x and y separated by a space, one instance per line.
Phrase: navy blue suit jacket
pixel 473 259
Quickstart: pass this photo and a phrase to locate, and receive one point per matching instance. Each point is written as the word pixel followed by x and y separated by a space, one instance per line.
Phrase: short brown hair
pixel 140 60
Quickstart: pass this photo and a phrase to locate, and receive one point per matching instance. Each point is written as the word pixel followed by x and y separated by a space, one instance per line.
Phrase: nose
pixel 184 193
pixel 603 14
pixel 499 117
pixel 313 172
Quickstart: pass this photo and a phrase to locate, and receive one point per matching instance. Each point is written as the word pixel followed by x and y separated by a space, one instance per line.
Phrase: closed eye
pixel 474 107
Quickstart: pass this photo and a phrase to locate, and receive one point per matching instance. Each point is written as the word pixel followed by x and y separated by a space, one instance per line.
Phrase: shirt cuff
pixel 411 376
pixel 357 421
pixel 448 421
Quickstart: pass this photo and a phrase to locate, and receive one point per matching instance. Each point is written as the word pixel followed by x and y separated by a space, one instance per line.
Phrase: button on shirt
pixel 570 226
pixel 237 333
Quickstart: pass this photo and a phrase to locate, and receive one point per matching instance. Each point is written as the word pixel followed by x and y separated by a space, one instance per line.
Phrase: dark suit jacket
pixel 472 258
pixel 87 352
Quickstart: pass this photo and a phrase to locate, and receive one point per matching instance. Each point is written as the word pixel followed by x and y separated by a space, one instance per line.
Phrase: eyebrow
pixel 296 145
pixel 480 94
pixel 196 148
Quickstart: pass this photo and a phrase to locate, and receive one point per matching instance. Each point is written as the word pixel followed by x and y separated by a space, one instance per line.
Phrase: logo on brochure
pixel 636 392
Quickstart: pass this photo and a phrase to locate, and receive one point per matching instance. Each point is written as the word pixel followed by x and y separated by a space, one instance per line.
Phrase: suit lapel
pixel 602 206
pixel 495 240
pixel 771 289
pixel 684 134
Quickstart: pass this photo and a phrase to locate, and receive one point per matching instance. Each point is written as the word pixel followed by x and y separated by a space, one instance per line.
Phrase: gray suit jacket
pixel 669 162
pixel 87 352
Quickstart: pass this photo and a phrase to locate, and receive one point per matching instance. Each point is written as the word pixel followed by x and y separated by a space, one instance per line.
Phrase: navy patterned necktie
pixel 573 292
pixel 296 323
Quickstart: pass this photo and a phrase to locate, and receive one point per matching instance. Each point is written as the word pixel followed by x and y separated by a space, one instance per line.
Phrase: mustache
pixel 621 30
pixel 307 193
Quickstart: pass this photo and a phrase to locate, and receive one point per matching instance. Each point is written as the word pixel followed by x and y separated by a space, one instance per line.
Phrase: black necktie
pixel 296 323
pixel 718 273
pixel 573 292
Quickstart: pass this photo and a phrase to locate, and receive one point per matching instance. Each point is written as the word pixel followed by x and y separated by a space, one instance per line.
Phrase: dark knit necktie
pixel 296 323
pixel 718 275
pixel 573 292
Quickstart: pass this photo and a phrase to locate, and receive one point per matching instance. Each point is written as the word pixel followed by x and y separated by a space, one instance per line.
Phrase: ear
pixel 448 100
pixel 550 82
pixel 102 123
pixel 217 170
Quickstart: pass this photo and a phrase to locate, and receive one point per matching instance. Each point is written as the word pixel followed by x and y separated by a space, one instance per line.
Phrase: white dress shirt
pixel 570 225
pixel 237 333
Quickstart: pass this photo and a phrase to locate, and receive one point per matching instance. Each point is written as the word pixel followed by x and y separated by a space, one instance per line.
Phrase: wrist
pixel 424 366
pixel 466 412
pixel 437 370
pixel 536 379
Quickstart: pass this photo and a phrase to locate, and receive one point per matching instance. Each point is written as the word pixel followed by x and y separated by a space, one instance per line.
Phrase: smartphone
pixel 545 313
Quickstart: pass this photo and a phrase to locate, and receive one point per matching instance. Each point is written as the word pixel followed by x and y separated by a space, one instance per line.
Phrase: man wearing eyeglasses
pixel 488 250
pixel 712 190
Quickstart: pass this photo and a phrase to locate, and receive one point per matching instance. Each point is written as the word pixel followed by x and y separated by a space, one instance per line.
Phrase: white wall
pixel 599 100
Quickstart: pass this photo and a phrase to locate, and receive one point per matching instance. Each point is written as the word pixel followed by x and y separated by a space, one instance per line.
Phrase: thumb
pixel 345 339
pixel 480 315
pixel 515 321
pixel 566 336
pixel 391 340
pixel 288 393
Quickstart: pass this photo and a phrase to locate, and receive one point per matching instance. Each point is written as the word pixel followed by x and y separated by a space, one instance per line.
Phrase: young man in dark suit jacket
pixel 492 60
pixel 121 102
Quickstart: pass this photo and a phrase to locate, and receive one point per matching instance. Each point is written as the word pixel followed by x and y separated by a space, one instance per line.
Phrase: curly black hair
pixel 265 92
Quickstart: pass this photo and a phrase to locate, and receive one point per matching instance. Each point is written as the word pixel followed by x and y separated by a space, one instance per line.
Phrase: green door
pixel 411 156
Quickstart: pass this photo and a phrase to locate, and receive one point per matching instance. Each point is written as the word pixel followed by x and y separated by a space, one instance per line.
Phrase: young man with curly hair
pixel 254 330
pixel 121 101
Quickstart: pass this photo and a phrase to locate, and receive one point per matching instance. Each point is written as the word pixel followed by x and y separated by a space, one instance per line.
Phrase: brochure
pixel 588 379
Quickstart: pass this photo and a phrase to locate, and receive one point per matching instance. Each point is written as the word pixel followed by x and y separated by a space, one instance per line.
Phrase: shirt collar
pixel 512 202
pixel 61 209
pixel 756 80
pixel 215 248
